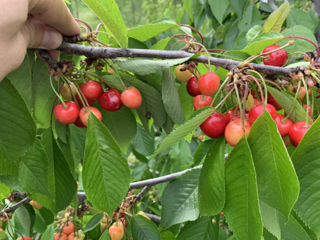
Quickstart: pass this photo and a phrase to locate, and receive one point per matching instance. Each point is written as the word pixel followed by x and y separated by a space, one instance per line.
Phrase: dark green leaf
pixel 212 180
pixel 144 229
pixel 201 229
pixel 122 126
pixel 180 200
pixel 218 8
pixel 242 209
pixel 278 184
pixel 106 174
pixel 170 97
pixel 306 160
pixel 94 221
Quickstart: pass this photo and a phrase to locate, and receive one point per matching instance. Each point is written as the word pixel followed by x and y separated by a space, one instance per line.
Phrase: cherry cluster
pixel 67 232
pixel 69 112
pixel 234 124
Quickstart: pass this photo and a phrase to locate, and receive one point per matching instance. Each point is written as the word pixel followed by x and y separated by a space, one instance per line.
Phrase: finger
pixel 56 14
pixel 39 35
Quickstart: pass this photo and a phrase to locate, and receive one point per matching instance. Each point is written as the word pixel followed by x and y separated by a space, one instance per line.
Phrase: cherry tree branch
pixel 101 52
pixel 15 206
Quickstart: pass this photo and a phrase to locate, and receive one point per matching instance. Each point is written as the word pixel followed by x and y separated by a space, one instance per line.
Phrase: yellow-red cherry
pixel 131 97
pixel 116 231
pixel 84 114
pixel 68 114
pixel 234 131
pixel 209 83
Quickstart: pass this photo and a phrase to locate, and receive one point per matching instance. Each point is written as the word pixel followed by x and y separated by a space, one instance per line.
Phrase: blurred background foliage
pixel 223 23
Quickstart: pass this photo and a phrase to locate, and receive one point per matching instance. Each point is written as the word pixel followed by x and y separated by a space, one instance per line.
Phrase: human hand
pixel 31 24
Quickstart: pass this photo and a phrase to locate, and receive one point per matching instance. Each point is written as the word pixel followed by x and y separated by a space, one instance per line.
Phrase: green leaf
pixel 300 17
pixel 180 200
pixel 17 128
pixel 42 94
pixel 186 100
pixel 218 8
pixel 253 33
pixel 49 233
pixel 144 229
pixel 242 210
pixel 212 180
pixel 299 44
pixel 21 79
pixel 3 236
pixel 162 44
pixel 170 97
pixel 106 174
pixel 276 19
pixel 94 221
pixel 201 229
pixel 202 150
pixel 287 102
pixel 183 130
pixel 122 126
pixel 108 12
pixel 150 96
pixel 145 32
pixel 306 160
pixel 270 219
pixel 4 191
pixel 24 220
pixel 278 184
pixel 147 66
pixel 143 142
pixel 257 46
pixel 56 175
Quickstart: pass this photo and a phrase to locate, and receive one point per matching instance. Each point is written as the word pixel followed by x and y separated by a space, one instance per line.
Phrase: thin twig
pixel 100 52
pixel 14 206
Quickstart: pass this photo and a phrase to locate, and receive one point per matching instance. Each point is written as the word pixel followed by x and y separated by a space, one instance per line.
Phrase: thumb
pixel 39 35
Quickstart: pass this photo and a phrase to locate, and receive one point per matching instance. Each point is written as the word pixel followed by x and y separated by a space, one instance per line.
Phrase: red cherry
pixel 193 87
pixel 232 115
pixel 131 97
pixel 310 109
pixel 60 236
pixel 78 123
pixel 68 228
pixel 277 58
pixel 209 83
pixel 84 114
pixel 273 102
pixel 66 115
pixel 257 110
pixel 201 101
pixel 214 125
pixel 110 100
pixel 234 131
pixel 92 90
pixel 283 126
pixel 297 131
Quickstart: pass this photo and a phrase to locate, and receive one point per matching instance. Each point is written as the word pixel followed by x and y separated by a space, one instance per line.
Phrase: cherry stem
pixel 315 77
pixel 246 90
pixel 98 29
pixel 223 99
pixel 308 101
pixel 220 88
pixel 216 50
pixel 192 28
pixel 310 41
pixel 264 85
pixel 259 86
pixel 57 94
pixel 294 101
pixel 85 23
pixel 239 104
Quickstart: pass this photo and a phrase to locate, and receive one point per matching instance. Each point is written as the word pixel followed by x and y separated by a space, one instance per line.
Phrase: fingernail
pixel 51 39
